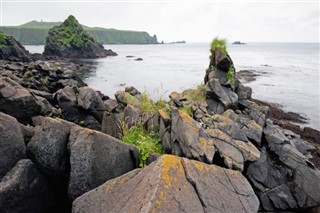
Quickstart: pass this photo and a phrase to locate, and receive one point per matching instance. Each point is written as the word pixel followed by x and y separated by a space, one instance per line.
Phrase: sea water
pixel 289 72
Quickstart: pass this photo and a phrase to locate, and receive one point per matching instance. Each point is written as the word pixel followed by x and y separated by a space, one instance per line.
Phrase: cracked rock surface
pixel 172 184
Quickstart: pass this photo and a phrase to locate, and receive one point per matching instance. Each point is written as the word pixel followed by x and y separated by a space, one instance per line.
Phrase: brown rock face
pixel 172 184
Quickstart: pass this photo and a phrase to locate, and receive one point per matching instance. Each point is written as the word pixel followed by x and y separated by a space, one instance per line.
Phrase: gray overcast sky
pixel 190 21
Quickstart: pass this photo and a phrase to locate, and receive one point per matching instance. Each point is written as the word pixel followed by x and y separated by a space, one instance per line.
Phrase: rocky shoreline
pixel 68 148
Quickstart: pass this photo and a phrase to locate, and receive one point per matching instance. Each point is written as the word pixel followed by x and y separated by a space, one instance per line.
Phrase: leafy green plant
pixel 230 75
pixel 219 43
pixel 146 142
pixel 81 123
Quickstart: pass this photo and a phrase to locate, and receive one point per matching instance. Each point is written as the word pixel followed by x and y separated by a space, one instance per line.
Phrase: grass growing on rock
pixel 147 142
pixel 219 43
pixel 145 103
pixel 230 75
pixel 196 94
pixel 3 39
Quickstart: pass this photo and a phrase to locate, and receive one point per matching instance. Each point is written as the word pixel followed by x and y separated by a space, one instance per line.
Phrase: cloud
pixel 191 21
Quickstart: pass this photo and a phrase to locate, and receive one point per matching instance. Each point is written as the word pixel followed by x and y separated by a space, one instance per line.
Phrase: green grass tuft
pixel 3 39
pixel 146 142
pixel 219 43
pixel 196 94
pixel 187 109
pixel 231 75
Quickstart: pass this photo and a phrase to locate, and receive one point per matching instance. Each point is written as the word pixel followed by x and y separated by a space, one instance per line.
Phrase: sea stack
pixel 69 40
pixel 12 50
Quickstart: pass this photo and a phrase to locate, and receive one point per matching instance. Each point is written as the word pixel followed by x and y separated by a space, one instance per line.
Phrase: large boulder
pixel 219 145
pixel 95 158
pixel 91 101
pixel 25 189
pixel 66 99
pixel 17 101
pixel 111 124
pixel 172 184
pixel 10 49
pixel 71 41
pixel 222 98
pixel 12 147
pixel 283 178
pixel 48 147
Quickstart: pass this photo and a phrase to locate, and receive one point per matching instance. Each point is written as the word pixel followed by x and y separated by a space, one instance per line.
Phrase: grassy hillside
pixel 35 32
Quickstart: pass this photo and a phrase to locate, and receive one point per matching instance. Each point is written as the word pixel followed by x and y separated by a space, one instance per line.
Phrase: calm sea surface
pixel 291 77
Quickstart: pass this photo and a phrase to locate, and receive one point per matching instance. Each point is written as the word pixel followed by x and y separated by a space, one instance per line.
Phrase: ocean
pixel 289 72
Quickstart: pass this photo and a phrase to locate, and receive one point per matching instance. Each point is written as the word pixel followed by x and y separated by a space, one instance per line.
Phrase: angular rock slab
pixel 12 147
pixel 220 94
pixel 25 189
pixel 172 184
pixel 17 101
pixel 48 146
pixel 188 138
pixel 95 158
pixel 283 178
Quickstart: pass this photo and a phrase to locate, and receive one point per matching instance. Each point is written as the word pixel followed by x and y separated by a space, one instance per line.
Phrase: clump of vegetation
pixel 45 80
pixel 147 142
pixel 196 94
pixel 3 39
pixel 231 75
pixel 187 109
pixel 69 34
pixel 146 104
pixel 219 43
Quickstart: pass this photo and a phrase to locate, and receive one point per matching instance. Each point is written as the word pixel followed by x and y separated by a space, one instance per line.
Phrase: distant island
pixel 35 33
pixel 238 42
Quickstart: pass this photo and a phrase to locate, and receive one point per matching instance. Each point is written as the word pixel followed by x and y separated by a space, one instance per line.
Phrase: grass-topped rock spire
pixel 71 41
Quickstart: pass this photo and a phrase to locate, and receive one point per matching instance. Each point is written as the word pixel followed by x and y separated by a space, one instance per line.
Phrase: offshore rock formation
pixel 61 148
pixel 71 41
pixel 12 50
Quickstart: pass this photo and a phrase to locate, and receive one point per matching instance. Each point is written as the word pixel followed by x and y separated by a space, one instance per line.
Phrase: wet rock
pixel 95 158
pixel 25 189
pixel 48 146
pixel 172 184
pixel 17 101
pixel 111 124
pixel 12 147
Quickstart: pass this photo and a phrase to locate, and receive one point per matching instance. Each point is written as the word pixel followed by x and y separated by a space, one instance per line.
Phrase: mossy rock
pixel 71 41
pixel 10 49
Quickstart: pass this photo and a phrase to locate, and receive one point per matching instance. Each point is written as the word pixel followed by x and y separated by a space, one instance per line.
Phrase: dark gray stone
pixel 12 147
pixel 25 189
pixel 112 125
pixel 48 147
pixel 17 101
pixel 95 158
